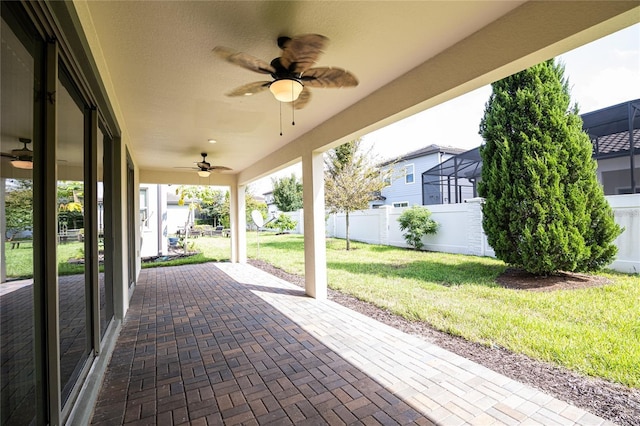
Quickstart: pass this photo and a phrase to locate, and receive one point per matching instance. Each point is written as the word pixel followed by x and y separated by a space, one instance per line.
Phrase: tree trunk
pixel 347 230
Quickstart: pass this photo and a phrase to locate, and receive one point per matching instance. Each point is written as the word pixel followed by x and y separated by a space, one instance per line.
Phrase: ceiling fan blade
pixel 250 88
pixel 303 99
pixel 219 168
pixel 329 77
pixel 302 52
pixel 244 60
pixel 7 155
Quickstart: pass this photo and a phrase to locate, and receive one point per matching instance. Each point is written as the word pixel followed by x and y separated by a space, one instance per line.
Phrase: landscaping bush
pixel 282 223
pixel 417 223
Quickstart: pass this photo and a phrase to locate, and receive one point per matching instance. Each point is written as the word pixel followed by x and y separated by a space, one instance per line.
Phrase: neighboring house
pixel 160 217
pixel 453 179
pixel 405 187
pixel 272 209
pixel 609 129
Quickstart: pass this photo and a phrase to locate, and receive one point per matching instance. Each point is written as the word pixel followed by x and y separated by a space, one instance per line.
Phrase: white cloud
pixel 606 87
pixel 605 72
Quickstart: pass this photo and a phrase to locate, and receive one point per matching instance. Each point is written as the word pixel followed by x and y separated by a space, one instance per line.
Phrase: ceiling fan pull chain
pixel 293 115
pixel 280 104
pixel 293 107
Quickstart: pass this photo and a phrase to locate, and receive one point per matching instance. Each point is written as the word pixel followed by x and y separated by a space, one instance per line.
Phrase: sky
pixel 602 73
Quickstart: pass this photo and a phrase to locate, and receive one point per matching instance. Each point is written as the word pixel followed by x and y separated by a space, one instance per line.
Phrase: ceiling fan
pixel 21 158
pixel 292 73
pixel 205 168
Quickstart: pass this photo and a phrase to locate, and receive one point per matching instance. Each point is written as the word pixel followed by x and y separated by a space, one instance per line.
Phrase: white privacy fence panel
pixel 453 229
pixel 626 211
pixel 460 229
pixel 298 218
pixel 380 226
pixel 365 226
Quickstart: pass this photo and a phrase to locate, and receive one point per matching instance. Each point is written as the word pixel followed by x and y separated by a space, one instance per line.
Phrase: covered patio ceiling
pixel 167 88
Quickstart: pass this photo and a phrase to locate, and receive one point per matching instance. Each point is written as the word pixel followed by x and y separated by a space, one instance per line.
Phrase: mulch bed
pixel 166 257
pixel 608 400
pixel 519 279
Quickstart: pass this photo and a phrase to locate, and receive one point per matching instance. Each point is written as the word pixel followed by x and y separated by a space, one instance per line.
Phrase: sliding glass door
pixel 21 379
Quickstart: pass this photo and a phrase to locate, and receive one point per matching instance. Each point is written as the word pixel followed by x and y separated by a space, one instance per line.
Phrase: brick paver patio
pixel 229 344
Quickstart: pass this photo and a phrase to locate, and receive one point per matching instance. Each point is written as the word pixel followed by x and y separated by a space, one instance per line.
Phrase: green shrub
pixel 282 223
pixel 417 223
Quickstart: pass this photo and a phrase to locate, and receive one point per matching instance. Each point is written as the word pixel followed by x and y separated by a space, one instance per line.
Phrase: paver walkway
pixel 229 344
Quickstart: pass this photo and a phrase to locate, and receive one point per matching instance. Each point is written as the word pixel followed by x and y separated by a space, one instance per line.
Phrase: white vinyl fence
pixel 460 229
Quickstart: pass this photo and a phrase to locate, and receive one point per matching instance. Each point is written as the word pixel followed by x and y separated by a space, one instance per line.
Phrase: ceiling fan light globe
pixel 204 173
pixel 286 89
pixel 22 164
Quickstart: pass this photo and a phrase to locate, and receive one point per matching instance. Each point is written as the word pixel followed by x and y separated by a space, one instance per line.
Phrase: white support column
pixel 238 218
pixel 161 219
pixel 315 250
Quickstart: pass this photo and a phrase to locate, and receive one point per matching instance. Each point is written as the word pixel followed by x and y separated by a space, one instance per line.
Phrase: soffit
pixel 168 88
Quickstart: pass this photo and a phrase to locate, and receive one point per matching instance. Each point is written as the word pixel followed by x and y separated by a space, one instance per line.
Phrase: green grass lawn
pixel 210 249
pixel 594 331
pixel 20 260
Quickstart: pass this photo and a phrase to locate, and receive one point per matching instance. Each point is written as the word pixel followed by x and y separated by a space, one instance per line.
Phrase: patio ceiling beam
pixel 185 178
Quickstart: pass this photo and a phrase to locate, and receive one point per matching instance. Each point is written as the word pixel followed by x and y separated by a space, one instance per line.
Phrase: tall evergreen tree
pixel 287 193
pixel 544 209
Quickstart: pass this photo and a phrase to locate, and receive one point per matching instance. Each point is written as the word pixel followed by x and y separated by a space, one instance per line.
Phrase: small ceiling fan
pixel 21 158
pixel 292 73
pixel 205 168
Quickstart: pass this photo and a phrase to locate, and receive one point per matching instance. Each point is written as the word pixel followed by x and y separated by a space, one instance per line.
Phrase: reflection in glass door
pixel 17 293
pixel 74 339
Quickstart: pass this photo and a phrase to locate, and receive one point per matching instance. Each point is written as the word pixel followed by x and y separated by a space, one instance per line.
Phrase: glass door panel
pixel 17 305
pixel 74 338
pixel 105 283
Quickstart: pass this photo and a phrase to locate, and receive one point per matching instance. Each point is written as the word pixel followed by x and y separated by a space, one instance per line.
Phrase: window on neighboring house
pixel 409 174
pixel 386 177
pixel 144 209
pixel 401 204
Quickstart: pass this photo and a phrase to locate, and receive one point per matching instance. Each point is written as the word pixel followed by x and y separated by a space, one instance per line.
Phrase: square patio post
pixel 238 219
pixel 315 251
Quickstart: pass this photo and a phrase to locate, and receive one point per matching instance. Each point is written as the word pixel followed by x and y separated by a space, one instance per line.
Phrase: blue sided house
pixel 405 177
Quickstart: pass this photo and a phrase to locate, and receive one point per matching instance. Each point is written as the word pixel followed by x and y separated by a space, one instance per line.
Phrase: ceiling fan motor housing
pixel 204 165
pixel 24 153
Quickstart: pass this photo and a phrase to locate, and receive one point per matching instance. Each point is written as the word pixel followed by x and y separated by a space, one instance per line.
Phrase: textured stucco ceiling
pixel 168 87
